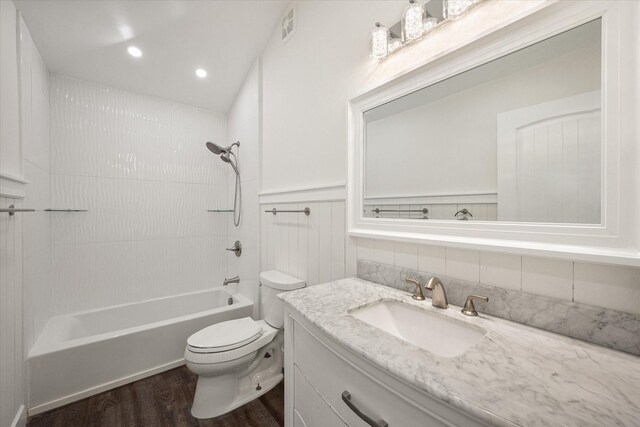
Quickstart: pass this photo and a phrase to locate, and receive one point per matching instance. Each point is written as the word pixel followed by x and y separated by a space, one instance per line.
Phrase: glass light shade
pixel 412 21
pixel 379 41
pixel 395 43
pixel 453 9
pixel 429 23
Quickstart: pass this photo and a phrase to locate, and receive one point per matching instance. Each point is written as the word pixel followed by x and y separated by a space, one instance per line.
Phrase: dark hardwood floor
pixel 159 401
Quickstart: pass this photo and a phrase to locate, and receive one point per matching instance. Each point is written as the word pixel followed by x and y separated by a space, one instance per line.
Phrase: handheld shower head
pixel 225 154
pixel 226 157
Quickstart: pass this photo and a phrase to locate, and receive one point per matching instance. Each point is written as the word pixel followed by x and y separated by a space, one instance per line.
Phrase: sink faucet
pixel 417 294
pixel 232 280
pixel 438 296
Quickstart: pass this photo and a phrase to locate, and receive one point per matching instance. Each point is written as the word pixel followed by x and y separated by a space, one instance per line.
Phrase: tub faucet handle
pixel 236 248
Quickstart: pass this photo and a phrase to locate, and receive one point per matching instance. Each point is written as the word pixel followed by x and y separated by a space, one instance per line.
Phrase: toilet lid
pixel 225 336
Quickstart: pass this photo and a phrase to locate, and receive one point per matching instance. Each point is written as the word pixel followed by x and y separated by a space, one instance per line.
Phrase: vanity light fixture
pixel 412 21
pixel 415 23
pixel 201 73
pixel 379 41
pixel 453 9
pixel 134 51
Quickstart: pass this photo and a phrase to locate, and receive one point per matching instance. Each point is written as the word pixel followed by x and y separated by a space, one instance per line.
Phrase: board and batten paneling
pixel 12 370
pixel 313 248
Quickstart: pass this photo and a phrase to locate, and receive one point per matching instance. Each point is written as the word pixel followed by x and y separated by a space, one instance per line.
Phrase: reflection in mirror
pixel 516 139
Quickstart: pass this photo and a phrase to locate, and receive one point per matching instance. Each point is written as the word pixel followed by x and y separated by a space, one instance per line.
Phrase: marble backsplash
pixel 609 328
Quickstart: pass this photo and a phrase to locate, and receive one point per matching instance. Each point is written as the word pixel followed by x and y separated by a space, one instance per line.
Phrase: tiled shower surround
pixel 139 165
pixel 610 328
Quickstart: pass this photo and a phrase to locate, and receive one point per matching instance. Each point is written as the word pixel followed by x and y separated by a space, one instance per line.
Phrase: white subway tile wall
pixel 36 225
pixel 502 270
pixel 607 286
pixel 548 277
pixel 243 124
pixel 614 287
pixel 139 165
pixel 463 264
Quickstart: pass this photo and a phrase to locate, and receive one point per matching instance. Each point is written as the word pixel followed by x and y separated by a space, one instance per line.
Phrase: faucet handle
pixel 417 294
pixel 470 309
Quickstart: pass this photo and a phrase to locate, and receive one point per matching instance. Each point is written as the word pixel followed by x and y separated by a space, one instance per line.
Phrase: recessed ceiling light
pixel 201 73
pixel 134 51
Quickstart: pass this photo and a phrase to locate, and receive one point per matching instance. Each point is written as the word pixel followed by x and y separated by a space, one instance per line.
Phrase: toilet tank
pixel 272 283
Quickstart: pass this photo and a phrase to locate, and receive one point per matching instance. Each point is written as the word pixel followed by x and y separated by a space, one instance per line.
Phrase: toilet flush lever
pixel 237 248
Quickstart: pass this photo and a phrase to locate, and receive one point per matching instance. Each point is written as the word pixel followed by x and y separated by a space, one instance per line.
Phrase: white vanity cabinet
pixel 318 371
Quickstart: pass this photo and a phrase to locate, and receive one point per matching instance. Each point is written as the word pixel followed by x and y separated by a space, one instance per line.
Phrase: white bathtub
pixel 81 354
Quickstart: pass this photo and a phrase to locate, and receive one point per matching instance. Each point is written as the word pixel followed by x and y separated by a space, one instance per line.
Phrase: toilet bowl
pixel 239 360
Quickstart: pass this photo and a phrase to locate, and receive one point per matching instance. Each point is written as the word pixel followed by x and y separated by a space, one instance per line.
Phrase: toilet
pixel 239 360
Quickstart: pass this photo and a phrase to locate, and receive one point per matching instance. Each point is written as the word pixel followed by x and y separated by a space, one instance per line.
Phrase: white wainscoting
pixel 314 248
pixel 11 351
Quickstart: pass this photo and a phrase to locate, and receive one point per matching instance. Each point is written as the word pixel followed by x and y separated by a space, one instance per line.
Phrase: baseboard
pixel 103 387
pixel 20 420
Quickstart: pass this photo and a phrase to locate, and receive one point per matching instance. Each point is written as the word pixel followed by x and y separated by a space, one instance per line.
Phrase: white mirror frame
pixel 617 239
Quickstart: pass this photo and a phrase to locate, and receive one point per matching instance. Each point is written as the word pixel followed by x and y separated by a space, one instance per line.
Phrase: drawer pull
pixel 346 398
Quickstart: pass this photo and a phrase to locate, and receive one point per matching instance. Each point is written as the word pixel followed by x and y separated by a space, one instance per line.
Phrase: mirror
pixel 517 139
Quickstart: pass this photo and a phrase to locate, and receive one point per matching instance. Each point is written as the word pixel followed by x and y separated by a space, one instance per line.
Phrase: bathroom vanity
pixel 448 369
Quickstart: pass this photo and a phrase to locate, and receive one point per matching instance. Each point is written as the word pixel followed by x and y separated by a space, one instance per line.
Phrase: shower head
pixel 225 153
pixel 227 158
pixel 216 149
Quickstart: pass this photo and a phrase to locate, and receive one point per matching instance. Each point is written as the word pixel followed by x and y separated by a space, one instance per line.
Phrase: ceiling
pixel 89 40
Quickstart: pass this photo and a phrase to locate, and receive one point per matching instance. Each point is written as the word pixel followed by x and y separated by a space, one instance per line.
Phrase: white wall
pixel 306 87
pixel 140 166
pixel 10 147
pixel 243 124
pixel 307 82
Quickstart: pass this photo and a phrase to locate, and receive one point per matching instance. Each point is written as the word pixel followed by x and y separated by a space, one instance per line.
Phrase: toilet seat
pixel 200 356
pixel 225 336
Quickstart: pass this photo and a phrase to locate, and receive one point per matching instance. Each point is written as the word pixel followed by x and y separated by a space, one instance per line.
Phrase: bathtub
pixel 81 354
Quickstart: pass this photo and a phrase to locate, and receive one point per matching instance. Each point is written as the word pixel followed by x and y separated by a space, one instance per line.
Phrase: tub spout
pixel 231 280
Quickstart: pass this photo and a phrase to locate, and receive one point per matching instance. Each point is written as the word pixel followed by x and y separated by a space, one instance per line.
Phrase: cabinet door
pixel 310 409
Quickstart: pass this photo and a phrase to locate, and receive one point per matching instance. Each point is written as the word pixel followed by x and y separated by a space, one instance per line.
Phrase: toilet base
pixel 206 407
pixel 217 395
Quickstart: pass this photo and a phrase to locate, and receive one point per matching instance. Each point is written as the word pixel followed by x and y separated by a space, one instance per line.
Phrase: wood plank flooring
pixel 163 400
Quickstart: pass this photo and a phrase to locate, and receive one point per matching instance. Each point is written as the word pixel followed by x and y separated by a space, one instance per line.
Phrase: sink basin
pixel 430 331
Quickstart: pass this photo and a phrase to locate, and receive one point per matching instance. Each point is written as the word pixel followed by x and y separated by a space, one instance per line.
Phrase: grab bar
pixel 219 210
pixel 12 210
pixel 423 210
pixel 274 211
pixel 66 210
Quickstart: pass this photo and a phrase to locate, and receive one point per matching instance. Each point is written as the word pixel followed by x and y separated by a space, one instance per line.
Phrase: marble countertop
pixel 515 376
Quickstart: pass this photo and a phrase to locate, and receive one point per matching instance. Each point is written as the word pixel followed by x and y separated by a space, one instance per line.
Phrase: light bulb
pixel 201 73
pixel 412 21
pixel 453 9
pixel 379 41
pixel 429 23
pixel 395 43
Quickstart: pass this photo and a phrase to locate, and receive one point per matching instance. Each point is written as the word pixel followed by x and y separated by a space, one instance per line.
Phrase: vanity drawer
pixel 332 375
pixel 310 410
